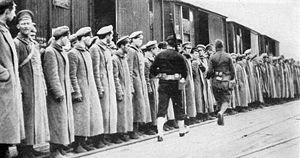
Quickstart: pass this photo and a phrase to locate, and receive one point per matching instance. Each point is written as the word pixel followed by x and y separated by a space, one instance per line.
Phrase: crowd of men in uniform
pixel 84 92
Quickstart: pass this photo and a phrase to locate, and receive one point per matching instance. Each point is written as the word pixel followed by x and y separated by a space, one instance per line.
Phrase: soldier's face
pixel 138 41
pixel 86 40
pixel 10 14
pixel 25 26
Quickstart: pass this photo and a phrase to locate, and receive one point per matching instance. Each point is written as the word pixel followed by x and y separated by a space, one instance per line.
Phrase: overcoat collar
pixel 24 39
pixel 57 46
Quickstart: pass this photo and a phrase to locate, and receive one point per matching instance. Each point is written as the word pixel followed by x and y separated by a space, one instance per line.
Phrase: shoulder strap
pixel 29 56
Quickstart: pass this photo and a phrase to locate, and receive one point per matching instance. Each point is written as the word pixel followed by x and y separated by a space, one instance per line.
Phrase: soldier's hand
pixel 60 99
pixel 101 94
pixel 77 100
pixel 120 98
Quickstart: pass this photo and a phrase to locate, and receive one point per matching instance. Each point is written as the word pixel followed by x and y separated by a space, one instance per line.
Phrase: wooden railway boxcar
pixel 192 23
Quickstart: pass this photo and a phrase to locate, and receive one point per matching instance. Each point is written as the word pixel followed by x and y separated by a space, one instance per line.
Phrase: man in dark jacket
pixel 221 70
pixel 169 66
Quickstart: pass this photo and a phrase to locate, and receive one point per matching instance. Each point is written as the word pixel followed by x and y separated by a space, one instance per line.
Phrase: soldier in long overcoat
pixel 124 89
pixel 59 100
pixel 33 87
pixel 189 92
pixel 152 84
pixel 198 70
pixel 11 113
pixel 87 110
pixel 140 100
pixel 241 81
pixel 103 72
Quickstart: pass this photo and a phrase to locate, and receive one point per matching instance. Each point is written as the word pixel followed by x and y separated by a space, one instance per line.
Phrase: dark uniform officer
pixel 221 70
pixel 171 69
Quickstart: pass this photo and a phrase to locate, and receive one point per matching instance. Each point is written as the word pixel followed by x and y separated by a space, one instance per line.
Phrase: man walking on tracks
pixel 171 69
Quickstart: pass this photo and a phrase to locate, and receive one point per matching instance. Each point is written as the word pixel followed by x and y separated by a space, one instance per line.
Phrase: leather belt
pixel 164 76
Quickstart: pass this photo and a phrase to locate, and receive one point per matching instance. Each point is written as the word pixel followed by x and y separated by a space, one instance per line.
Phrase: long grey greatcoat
pixel 60 115
pixel 33 92
pixel 88 120
pixel 124 90
pixel 189 93
pixel 198 70
pixel 140 103
pixel 103 73
pixel 152 86
pixel 11 113
pixel 241 84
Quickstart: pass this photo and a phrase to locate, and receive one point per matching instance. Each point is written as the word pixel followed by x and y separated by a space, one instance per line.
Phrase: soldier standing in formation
pixel 33 88
pixel 140 101
pixel 124 89
pixel 88 121
pixel 103 72
pixel 11 113
pixel 59 99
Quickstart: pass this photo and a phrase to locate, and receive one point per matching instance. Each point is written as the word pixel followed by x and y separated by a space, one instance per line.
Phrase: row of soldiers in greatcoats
pixel 96 93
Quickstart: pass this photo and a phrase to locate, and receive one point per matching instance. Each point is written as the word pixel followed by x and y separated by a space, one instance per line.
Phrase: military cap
pixel 73 38
pixel 264 55
pixel 24 15
pixel 59 31
pixel 151 44
pixel 186 43
pixel 162 45
pixel 143 47
pixel 240 56
pixel 201 46
pixel 233 55
pixel 247 52
pixel 105 30
pixel 83 31
pixel 209 47
pixel 135 34
pixel 6 3
pixel 92 41
pixel 122 39
pixel 171 37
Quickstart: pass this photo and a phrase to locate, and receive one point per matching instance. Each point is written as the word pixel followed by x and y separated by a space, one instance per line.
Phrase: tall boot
pixel 79 140
pixel 181 128
pixel 160 126
pixel 55 151
pixel 25 151
pixel 98 142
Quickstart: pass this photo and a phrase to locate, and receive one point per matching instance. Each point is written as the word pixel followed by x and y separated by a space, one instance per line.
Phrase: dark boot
pixel 124 137
pixel 220 120
pixel 25 151
pixel 116 139
pixel 208 117
pixel 79 140
pixel 55 150
pixel 106 138
pixel 133 135
pixel 97 141
pixel 4 151
pixel 173 123
pixel 87 147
